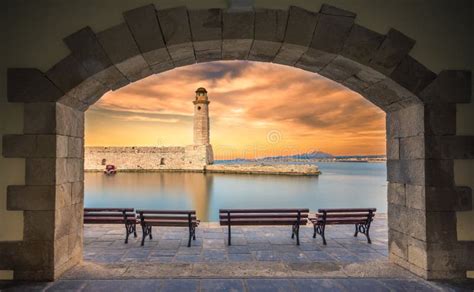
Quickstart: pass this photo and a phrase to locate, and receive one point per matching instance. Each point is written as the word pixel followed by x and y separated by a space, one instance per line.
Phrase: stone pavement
pixel 260 259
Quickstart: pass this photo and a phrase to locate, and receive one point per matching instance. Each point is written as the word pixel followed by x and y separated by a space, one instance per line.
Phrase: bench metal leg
pixel 314 232
pixel 296 231
pixel 364 229
pixel 228 235
pixel 356 230
pixel 319 229
pixel 192 235
pixel 129 229
pixel 146 230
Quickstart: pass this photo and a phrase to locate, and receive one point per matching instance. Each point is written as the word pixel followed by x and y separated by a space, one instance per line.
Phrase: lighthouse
pixel 201 117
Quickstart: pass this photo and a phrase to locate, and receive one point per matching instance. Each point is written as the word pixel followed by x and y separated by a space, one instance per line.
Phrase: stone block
pixel 439 173
pixel 71 77
pixel 393 149
pixel 87 50
pixel 146 31
pixel 61 250
pixel 174 23
pixel 361 44
pixel 30 85
pixel 18 145
pixel 300 27
pixel 406 171
pixel 415 197
pixel 441 227
pixel 77 192
pixel 399 218
pixel 60 145
pixel 417 224
pixel 340 69
pixel 75 147
pixel 74 169
pixel 40 171
pixel 122 50
pixel 451 86
pixel 34 255
pixel 63 223
pixel 289 55
pixel 312 60
pixel 32 198
pixel 392 122
pixel 412 147
pixel 331 10
pixel 411 121
pixel 450 147
pixel 396 194
pixel 237 34
pixel 440 119
pixel 391 52
pixel 69 122
pixel 417 253
pixel 398 244
pixel 446 199
pixel 412 75
pixel 270 27
pixel 386 93
pixel 332 29
pixel 38 225
pixel 63 195
pixel 206 30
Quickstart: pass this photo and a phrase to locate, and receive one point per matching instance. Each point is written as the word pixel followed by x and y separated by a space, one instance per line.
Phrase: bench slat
pixel 344 215
pixel 166 211
pixel 107 214
pixel 176 218
pixel 263 211
pixel 260 215
pixel 347 210
pixel 262 222
pixel 107 220
pixel 108 209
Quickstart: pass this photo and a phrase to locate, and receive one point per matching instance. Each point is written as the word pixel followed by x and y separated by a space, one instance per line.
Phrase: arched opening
pixel 421 146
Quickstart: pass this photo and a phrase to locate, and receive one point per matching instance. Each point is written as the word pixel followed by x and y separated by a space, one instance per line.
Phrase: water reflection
pixel 341 185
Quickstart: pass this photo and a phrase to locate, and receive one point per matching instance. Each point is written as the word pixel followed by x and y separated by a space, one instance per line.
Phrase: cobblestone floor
pixel 260 259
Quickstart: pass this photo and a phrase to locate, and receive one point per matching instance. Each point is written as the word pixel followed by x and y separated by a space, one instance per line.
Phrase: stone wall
pixel 192 157
pixel 283 169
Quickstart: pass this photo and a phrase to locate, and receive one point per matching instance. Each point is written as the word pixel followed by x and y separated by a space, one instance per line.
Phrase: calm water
pixel 341 185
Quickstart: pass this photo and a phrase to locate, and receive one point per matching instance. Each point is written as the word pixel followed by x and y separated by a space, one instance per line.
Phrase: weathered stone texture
pixel 298 36
pixel 206 30
pixel 332 29
pixel 71 77
pixel 450 147
pixel 439 173
pixel 412 147
pixel 312 60
pixel 237 34
pixel 38 225
pixel 361 44
pixel 30 85
pixel 340 69
pixel 34 146
pixel 391 52
pixel 87 50
pixel 440 119
pixel 122 50
pixel 143 23
pixel 31 198
pixel 174 24
pixel 390 96
pixel 451 86
pixel 412 75
pixel 396 194
pixel 393 149
pixel 270 27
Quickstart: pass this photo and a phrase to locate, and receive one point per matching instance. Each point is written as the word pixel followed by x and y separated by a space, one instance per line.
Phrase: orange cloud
pixel 248 101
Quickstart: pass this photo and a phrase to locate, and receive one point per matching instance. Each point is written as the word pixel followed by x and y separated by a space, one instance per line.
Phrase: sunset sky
pixel 257 109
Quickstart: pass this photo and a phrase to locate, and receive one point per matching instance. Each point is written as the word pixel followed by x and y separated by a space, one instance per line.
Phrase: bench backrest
pixel 108 215
pixel 347 214
pixel 167 217
pixel 263 216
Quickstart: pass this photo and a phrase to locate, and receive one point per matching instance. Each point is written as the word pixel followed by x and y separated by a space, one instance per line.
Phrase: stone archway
pixel 420 106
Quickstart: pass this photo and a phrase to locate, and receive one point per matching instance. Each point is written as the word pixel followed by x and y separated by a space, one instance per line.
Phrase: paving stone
pixel 269 285
pixel 122 50
pixel 237 34
pixel 332 29
pixel 316 285
pixel 265 255
pixel 412 75
pixel 146 31
pixel 174 24
pixel 180 285
pixel 362 284
pixel 451 86
pixel 69 285
pixel 124 285
pixel 30 85
pixel 240 257
pixel 218 285
pixel 87 50
pixel 391 52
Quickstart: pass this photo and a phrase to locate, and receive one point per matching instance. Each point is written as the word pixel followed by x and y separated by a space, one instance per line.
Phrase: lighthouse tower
pixel 201 117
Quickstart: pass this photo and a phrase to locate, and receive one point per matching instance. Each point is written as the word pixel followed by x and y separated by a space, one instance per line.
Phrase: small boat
pixel 110 169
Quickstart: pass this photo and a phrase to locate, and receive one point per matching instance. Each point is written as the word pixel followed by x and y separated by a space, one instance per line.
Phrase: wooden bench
pixel 360 217
pixel 293 217
pixel 124 216
pixel 183 218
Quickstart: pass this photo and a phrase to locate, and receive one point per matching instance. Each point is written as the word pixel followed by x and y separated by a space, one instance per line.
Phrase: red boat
pixel 110 169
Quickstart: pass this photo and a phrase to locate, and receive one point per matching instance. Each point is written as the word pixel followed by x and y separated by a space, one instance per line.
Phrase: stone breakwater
pixel 282 169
